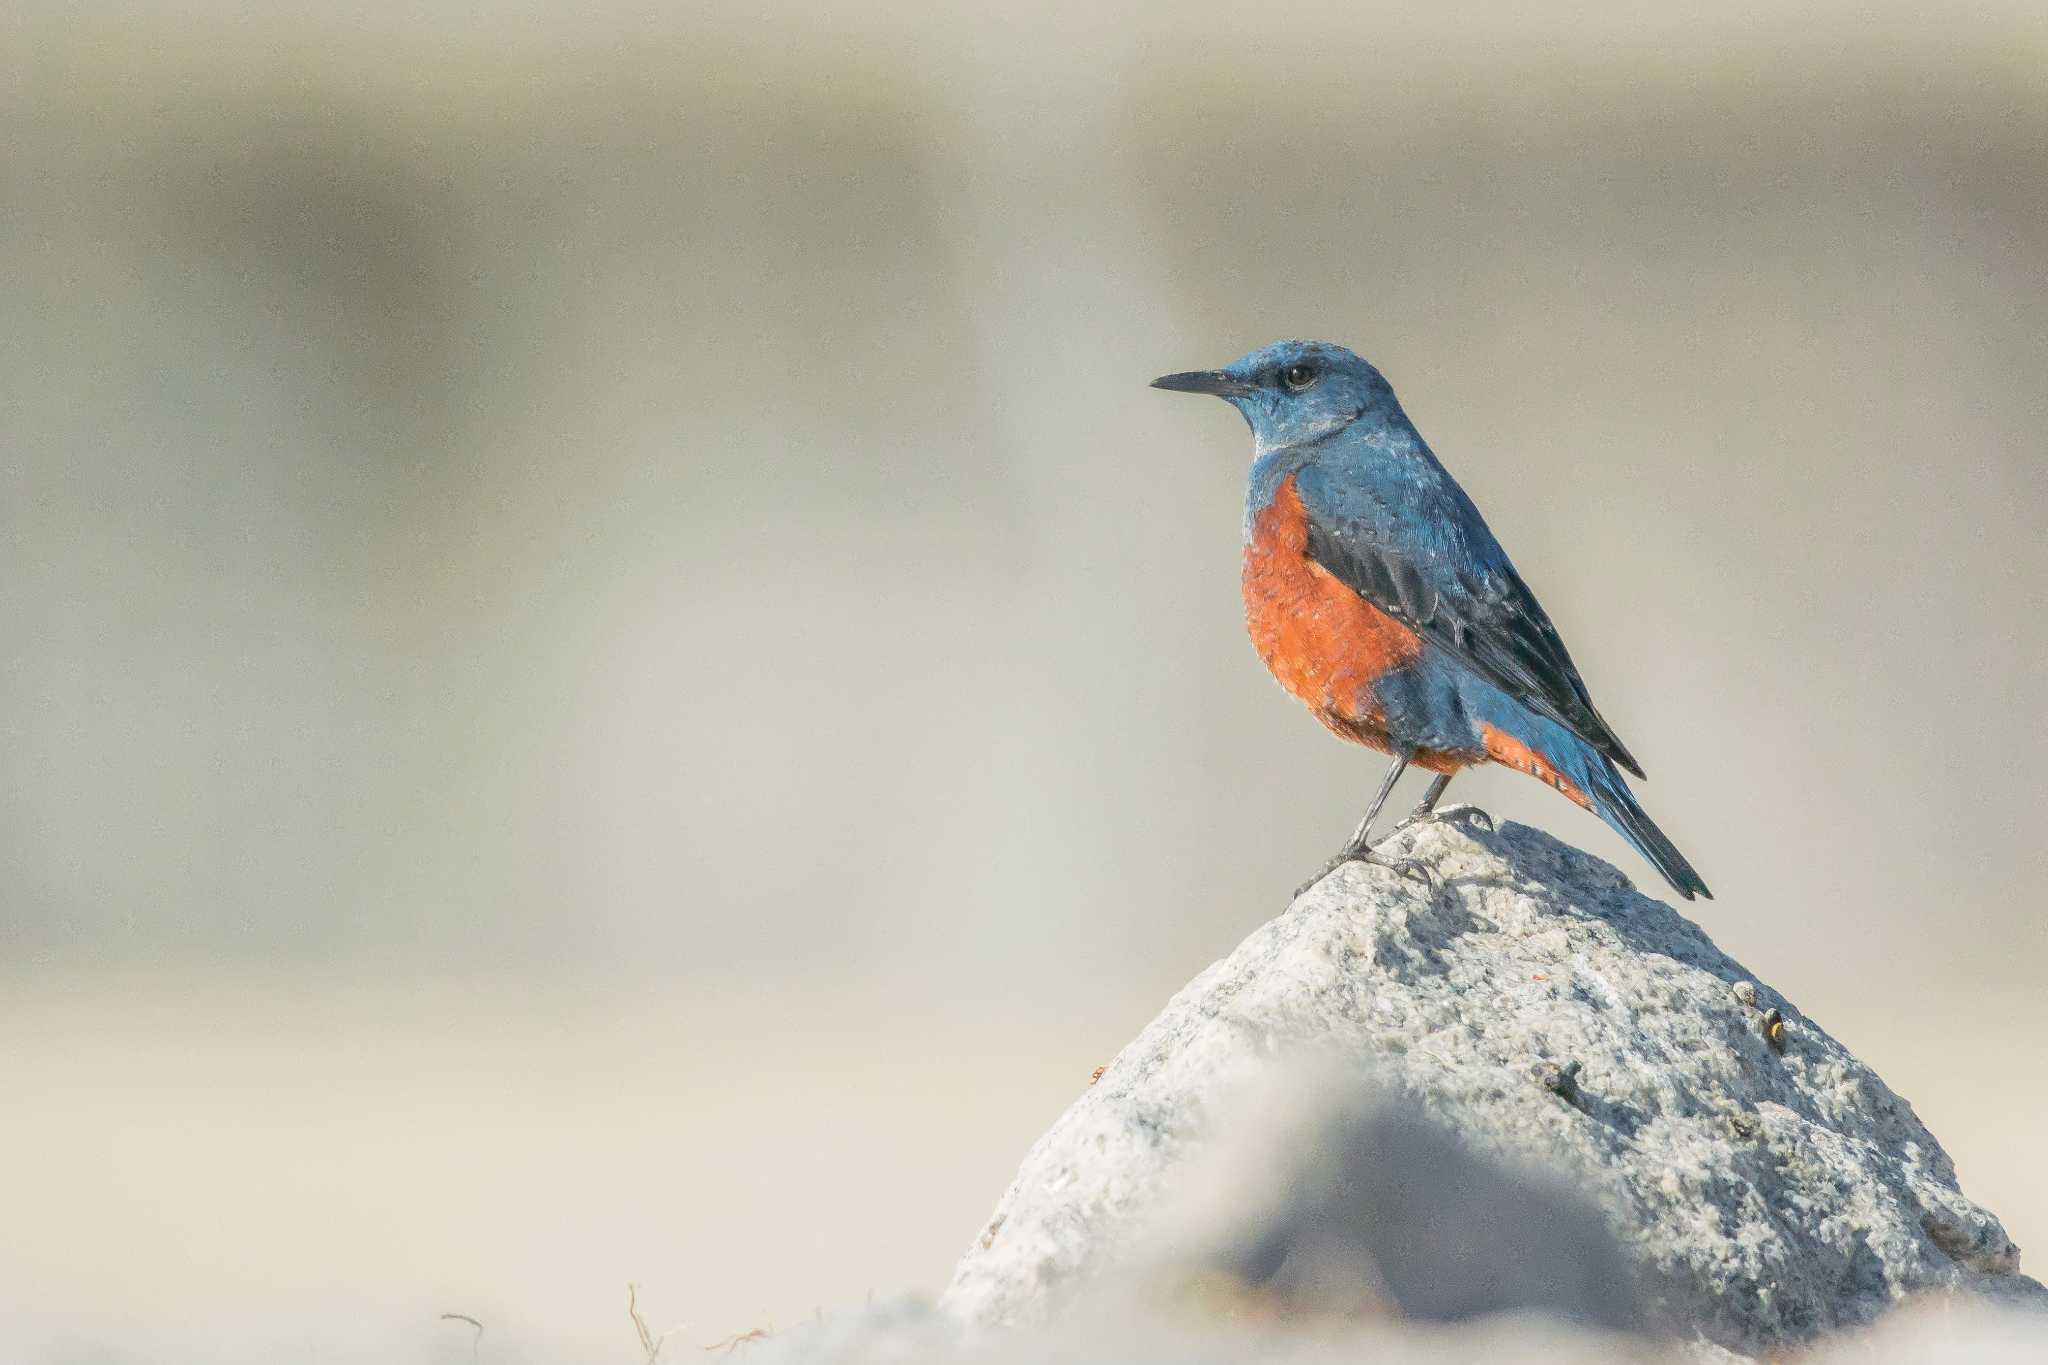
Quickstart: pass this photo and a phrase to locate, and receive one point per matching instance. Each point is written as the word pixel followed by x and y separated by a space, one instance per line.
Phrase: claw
pixel 1406 867
pixel 1322 872
pixel 1423 815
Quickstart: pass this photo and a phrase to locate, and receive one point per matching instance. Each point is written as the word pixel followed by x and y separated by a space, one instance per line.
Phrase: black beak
pixel 1215 382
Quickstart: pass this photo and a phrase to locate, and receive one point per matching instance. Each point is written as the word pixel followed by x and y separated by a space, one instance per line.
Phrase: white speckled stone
pixel 1766 1191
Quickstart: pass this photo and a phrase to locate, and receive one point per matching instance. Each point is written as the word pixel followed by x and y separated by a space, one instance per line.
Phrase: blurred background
pixel 610 673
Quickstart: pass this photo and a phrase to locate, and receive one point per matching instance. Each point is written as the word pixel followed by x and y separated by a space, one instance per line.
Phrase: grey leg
pixel 1361 838
pixel 1429 799
pixel 1360 849
pixel 1427 810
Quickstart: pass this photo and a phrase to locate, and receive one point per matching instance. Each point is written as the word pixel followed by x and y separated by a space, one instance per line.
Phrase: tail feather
pixel 1617 805
pixel 1519 738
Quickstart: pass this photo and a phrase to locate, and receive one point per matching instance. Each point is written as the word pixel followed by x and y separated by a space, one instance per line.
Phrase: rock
pixel 900 1334
pixel 1136 1337
pixel 1766 1186
pixel 1328 1198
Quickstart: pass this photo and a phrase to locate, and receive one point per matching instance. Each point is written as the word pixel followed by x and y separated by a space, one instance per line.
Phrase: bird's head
pixel 1293 391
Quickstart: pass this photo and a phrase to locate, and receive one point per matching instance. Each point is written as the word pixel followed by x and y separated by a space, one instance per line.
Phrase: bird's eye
pixel 1297 377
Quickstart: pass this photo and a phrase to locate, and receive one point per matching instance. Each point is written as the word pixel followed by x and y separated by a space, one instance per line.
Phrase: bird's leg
pixel 1361 838
pixel 1360 849
pixel 1427 809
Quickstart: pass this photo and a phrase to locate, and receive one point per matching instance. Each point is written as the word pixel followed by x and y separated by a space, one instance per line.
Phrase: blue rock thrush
pixel 1377 595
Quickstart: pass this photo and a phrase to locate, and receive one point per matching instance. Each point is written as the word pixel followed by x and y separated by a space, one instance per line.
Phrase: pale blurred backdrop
pixel 611 674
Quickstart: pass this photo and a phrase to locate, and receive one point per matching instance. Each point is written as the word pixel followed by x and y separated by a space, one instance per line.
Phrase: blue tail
pixel 1602 783
pixel 1617 805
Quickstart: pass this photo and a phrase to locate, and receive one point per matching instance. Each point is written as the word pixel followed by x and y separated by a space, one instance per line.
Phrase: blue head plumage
pixel 1293 392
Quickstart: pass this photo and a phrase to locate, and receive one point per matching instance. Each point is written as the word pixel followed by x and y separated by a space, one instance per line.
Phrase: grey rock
pixel 1136 1336
pixel 1329 1198
pixel 1766 1185
pixel 905 1335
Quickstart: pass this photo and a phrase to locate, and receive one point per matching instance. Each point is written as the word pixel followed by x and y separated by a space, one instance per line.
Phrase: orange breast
pixel 1325 643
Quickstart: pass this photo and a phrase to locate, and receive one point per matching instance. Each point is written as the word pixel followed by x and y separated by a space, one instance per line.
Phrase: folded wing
pixel 1444 576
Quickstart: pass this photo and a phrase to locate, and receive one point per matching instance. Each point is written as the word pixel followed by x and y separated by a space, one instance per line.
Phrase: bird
pixel 1378 595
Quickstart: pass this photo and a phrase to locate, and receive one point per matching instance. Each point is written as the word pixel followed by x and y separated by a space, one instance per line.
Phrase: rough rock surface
pixel 1766 1184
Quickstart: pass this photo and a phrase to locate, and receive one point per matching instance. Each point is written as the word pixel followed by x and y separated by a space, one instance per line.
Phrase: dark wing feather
pixel 1488 618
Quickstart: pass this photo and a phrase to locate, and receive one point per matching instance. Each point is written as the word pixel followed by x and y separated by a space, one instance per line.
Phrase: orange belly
pixel 1325 643
pixel 1329 646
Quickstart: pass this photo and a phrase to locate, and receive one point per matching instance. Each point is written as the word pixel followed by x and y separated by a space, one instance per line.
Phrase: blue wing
pixel 1423 555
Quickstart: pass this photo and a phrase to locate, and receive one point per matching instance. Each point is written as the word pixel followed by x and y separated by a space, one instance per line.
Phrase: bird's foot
pixel 1429 815
pixel 1421 815
pixel 1406 867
